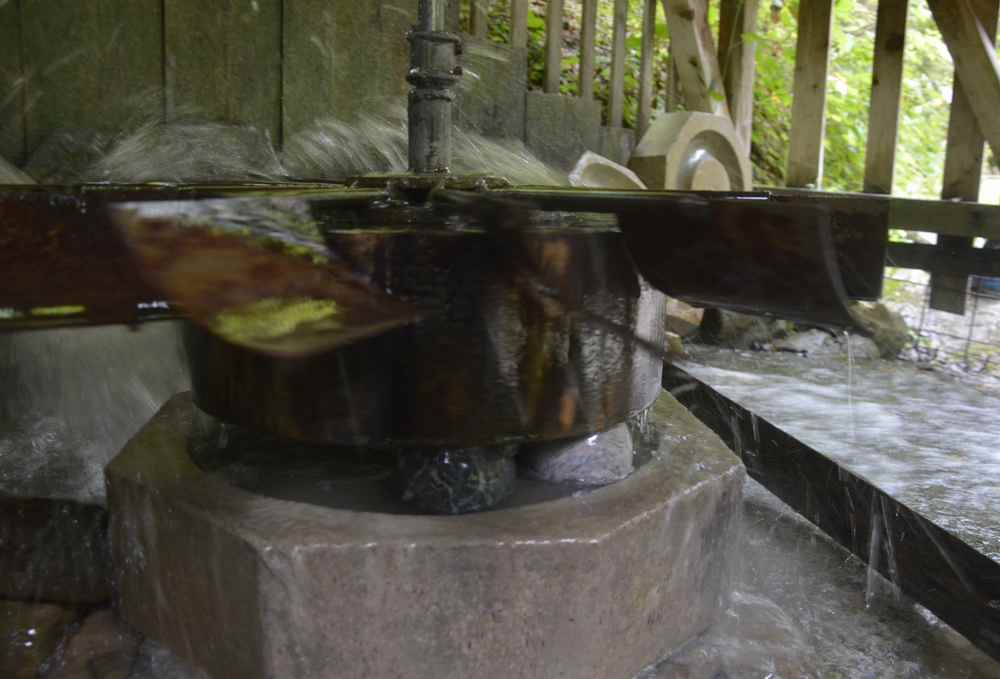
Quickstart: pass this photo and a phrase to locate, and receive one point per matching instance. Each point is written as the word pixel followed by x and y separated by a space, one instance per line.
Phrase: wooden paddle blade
pixel 255 273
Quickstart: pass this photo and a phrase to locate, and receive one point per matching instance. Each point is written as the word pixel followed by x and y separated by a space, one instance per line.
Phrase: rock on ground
pixel 738 331
pixel 595 460
pixel 29 635
pixel 102 647
pixel 887 328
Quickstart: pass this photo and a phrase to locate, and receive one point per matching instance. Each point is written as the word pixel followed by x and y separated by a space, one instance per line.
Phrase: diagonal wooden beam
pixel 969 40
pixel 694 52
pixel 963 162
pixel 737 56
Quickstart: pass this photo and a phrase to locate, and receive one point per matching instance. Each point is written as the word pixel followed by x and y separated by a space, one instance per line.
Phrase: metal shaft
pixel 433 73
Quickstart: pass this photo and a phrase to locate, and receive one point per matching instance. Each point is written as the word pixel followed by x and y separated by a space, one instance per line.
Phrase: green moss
pixel 272 318
pixel 70 310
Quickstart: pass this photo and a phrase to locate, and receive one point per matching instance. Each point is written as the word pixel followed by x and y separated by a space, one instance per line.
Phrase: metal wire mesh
pixel 970 341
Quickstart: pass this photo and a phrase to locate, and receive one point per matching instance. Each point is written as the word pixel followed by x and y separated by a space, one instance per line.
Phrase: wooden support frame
pixel 479 18
pixel 812 57
pixel 738 62
pixel 694 54
pixel 887 87
pixel 553 46
pixel 616 109
pixel 966 132
pixel 519 23
pixel 646 68
pixel 588 38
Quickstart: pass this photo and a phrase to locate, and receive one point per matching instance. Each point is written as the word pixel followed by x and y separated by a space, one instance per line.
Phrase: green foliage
pixel 926 87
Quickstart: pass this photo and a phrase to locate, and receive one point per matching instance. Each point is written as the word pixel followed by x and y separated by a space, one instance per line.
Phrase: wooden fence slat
pixel 322 58
pixel 588 38
pixel 479 18
pixel 737 59
pixel 519 23
pixel 11 84
pixel 646 67
pixel 887 86
pixel 695 56
pixel 553 46
pixel 224 61
pixel 963 161
pixel 812 54
pixel 90 64
pixel 620 27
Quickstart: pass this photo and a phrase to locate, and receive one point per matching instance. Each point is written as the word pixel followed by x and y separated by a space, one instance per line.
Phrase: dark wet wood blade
pixel 256 273
pixel 957 583
pixel 785 256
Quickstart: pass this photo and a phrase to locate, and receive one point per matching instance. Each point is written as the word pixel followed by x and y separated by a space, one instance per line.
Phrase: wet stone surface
pixel 101 648
pixel 595 460
pixel 456 481
pixel 29 636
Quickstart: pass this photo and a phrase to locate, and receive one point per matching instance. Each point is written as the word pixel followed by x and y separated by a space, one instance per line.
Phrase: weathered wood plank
pixel 969 29
pixel 553 46
pixel 588 38
pixel 619 28
pixel 646 67
pixel 11 84
pixel 692 46
pixel 963 163
pixel 519 23
pixel 887 86
pixel 90 64
pixel 224 61
pixel 322 58
pixel 953 218
pixel 479 17
pixel 953 263
pixel 737 59
pixel 812 54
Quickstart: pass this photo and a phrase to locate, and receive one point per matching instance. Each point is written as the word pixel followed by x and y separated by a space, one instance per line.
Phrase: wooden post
pixel 479 18
pixel 12 84
pixel 519 23
pixel 588 36
pixel 963 161
pixel 812 52
pixel 737 59
pixel 617 107
pixel 887 85
pixel 646 67
pixel 553 46
pixel 697 65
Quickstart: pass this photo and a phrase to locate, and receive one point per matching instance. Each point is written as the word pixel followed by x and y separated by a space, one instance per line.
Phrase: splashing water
pixel 925 438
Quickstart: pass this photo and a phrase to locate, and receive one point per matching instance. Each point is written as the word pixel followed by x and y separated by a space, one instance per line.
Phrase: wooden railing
pixel 720 81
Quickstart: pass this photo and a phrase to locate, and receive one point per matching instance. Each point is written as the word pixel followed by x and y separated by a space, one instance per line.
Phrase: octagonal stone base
pixel 596 584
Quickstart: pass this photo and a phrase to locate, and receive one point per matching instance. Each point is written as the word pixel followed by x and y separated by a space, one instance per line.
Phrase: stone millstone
pixel 597 584
pixel 594 460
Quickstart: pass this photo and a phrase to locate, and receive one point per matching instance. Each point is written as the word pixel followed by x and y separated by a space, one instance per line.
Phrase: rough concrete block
pixel 490 95
pixel 596 584
pixel 559 129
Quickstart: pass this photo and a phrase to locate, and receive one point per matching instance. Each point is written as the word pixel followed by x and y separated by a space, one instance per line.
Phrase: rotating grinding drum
pixel 691 151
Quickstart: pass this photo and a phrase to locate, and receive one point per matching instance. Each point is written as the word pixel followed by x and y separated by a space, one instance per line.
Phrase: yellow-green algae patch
pixel 70 310
pixel 275 317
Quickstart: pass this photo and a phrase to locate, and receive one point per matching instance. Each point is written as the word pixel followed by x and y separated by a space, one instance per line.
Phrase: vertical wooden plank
pixel 519 23
pixel 553 45
pixel 11 83
pixel 333 50
pixel 619 28
pixel 887 86
pixel 646 67
pixel 963 166
pixel 224 61
pixel 812 54
pixel 694 48
pixel 479 17
pixel 453 18
pixel 90 64
pixel 737 59
pixel 588 38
